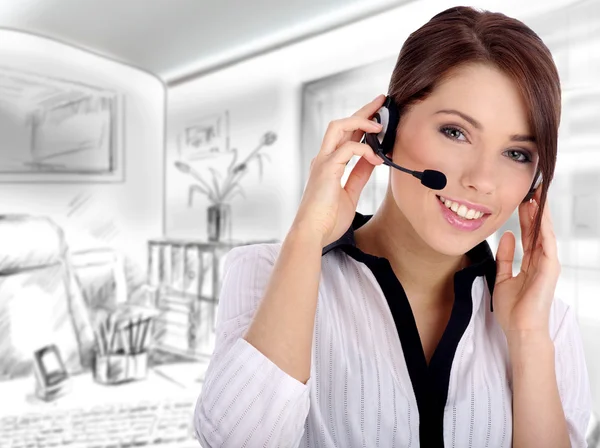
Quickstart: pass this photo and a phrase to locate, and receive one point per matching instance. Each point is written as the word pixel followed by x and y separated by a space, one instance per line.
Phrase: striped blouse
pixel 370 384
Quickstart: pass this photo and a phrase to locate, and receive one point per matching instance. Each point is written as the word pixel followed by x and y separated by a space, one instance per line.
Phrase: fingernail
pixel 377 97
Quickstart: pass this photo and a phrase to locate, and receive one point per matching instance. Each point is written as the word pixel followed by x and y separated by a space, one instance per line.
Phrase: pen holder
pixel 118 368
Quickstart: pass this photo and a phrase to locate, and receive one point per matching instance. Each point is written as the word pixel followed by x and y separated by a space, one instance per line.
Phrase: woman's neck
pixel 426 276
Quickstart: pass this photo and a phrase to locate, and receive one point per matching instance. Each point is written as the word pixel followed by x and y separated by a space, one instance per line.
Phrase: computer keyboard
pixel 110 426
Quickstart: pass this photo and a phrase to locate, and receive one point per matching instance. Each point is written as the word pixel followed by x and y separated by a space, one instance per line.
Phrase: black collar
pixel 483 262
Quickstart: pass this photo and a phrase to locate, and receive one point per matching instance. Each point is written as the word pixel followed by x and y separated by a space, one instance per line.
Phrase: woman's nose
pixel 481 175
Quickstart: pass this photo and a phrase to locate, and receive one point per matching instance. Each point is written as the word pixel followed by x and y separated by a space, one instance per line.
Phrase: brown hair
pixel 465 35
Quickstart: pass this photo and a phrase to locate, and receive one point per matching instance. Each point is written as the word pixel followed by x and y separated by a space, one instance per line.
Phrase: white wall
pixel 121 215
pixel 264 93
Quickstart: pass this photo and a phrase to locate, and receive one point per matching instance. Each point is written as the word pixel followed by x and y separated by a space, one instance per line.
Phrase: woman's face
pixel 482 162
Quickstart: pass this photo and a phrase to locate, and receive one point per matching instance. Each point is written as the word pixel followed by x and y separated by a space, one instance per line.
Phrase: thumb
pixel 358 178
pixel 505 256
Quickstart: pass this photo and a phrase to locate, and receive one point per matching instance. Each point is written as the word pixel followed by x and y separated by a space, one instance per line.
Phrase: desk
pixel 18 394
pixel 165 401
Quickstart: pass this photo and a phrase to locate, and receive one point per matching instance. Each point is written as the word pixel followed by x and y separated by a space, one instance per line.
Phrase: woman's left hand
pixel 522 303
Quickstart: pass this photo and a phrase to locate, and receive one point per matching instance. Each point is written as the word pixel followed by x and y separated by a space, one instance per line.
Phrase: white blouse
pixel 370 385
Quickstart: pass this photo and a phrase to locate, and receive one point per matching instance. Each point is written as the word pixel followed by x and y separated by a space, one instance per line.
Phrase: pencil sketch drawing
pixel 129 171
pixel 56 129
pixel 205 165
pixel 71 335
pixel 206 135
pixel 220 191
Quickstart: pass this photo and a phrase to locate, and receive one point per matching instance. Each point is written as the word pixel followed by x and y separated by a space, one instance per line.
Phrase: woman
pixel 366 331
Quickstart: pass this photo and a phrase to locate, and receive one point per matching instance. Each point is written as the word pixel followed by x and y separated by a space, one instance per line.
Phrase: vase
pixel 219 222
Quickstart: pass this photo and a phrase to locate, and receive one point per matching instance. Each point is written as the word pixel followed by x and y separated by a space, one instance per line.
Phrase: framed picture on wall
pixel 204 137
pixel 57 130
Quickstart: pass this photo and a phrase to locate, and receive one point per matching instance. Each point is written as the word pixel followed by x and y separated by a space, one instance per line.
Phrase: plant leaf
pixel 240 191
pixel 205 185
pixel 198 177
pixel 260 166
pixel 228 189
pixel 193 188
pixel 199 188
pixel 216 173
pixel 234 182
pixel 235 156
pixel 215 183
pixel 183 167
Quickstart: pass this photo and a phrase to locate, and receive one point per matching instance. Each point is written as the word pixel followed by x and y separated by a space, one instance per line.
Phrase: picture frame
pixel 59 130
pixel 52 378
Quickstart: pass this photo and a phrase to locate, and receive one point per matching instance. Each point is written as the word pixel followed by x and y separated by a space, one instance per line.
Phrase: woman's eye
pixel 452 134
pixel 524 157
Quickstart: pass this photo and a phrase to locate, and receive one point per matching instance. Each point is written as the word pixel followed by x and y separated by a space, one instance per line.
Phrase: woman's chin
pixel 450 244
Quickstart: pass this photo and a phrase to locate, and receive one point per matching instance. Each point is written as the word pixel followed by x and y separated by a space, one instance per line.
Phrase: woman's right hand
pixel 326 207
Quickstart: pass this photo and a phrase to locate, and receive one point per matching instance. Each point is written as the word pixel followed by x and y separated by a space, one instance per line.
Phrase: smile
pixel 460 217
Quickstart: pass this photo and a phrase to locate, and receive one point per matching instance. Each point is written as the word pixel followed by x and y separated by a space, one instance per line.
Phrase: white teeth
pixel 461 210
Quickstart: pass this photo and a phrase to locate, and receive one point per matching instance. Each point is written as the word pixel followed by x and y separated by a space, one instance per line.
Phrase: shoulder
pixel 246 272
pixel 264 253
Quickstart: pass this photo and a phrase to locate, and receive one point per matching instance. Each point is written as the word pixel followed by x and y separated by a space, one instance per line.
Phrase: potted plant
pixel 221 191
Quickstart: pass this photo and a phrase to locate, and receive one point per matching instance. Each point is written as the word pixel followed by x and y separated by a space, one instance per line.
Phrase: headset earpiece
pixel 536 184
pixel 388 116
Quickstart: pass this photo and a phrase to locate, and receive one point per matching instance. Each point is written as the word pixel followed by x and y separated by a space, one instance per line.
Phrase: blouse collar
pixel 481 256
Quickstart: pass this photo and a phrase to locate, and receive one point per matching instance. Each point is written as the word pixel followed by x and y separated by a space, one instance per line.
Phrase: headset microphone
pixel 383 143
pixel 435 180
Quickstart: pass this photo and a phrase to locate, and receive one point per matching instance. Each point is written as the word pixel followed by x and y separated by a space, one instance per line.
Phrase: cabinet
pixel 186 276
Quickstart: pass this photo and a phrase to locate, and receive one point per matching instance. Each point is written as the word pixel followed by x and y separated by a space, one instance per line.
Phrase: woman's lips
pixel 460 223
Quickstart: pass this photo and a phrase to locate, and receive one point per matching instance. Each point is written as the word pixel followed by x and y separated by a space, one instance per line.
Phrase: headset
pixel 382 143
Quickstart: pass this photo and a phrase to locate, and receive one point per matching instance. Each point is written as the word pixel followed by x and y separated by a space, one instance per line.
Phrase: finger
pixel 505 256
pixel 549 244
pixel 365 112
pixel 526 218
pixel 358 134
pixel 340 131
pixel 358 178
pixel 369 109
pixel 349 149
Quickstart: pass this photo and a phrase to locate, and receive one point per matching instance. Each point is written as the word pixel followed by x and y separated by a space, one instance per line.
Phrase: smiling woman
pixel 473 126
pixel 460 39
pixel 379 330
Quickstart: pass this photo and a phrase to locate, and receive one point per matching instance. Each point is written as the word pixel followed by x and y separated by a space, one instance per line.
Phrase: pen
pixel 99 343
pixel 130 334
pixel 123 338
pixel 111 334
pixel 136 338
pixel 146 324
pixel 104 335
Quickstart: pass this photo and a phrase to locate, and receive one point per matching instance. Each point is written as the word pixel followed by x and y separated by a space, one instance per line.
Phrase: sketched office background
pixel 132 138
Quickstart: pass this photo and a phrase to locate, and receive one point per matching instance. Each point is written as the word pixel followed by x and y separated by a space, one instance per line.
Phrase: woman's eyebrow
pixel 477 125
